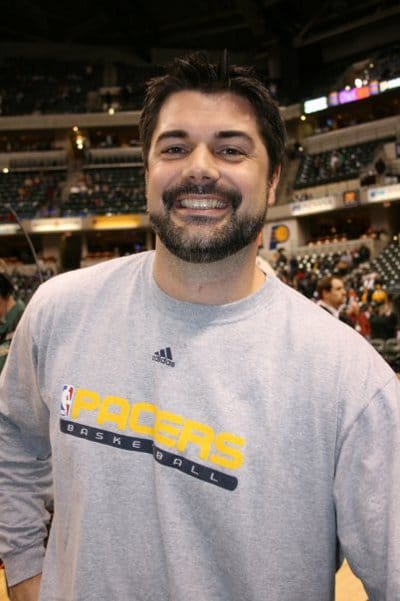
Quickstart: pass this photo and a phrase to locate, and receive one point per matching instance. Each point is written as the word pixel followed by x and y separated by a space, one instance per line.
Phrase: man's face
pixel 337 294
pixel 207 178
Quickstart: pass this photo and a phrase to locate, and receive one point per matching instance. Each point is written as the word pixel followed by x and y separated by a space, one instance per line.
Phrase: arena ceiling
pixel 300 36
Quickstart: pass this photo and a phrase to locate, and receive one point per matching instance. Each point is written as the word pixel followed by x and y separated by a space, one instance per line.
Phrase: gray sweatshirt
pixel 213 453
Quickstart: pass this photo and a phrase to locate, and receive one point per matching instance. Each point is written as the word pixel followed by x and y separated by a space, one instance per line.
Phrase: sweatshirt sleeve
pixel 367 495
pixel 25 467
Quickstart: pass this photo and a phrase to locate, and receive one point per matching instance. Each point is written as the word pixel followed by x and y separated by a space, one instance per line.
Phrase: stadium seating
pixel 334 165
pixel 391 353
pixel 131 79
pixel 46 86
pixel 26 284
pixel 30 193
pixel 107 191
pixel 388 265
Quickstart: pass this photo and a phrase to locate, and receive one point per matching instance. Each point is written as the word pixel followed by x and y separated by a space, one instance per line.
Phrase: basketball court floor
pixel 348 587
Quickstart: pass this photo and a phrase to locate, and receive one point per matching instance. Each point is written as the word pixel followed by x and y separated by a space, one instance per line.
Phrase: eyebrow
pixel 233 133
pixel 172 133
pixel 220 135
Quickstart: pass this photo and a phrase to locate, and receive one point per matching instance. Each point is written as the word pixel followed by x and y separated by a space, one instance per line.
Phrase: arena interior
pixel 71 172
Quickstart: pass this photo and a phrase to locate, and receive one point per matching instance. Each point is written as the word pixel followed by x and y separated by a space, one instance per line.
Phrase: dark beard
pixel 230 238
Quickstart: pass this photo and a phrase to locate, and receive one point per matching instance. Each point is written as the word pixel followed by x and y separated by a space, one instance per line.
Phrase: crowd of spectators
pixel 372 303
pixel 335 165
pixel 118 190
pixel 99 191
pixel 110 139
pixel 26 284
pixel 31 193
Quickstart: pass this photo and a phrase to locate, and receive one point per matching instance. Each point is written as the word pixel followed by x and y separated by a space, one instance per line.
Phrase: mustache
pixel 230 195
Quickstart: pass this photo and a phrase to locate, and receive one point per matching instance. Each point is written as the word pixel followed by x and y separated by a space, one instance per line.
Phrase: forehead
pixel 190 110
pixel 337 284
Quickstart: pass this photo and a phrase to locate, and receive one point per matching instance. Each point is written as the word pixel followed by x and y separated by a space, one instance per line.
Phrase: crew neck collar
pixel 184 310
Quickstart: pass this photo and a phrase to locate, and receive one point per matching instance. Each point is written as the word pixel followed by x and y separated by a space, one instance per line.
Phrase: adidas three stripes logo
pixel 164 356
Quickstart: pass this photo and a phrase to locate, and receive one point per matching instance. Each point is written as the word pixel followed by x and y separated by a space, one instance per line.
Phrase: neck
pixel 216 283
pixel 329 307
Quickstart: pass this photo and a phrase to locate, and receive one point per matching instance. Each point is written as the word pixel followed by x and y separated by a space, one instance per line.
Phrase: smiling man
pixel 211 176
pixel 205 431
pixel 208 187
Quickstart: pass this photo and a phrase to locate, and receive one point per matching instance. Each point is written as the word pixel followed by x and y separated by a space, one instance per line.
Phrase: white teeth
pixel 187 203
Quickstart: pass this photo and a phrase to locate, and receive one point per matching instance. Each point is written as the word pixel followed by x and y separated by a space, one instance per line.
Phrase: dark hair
pixel 325 284
pixel 195 72
pixel 6 287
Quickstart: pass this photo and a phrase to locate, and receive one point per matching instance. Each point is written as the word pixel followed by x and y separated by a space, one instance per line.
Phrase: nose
pixel 200 165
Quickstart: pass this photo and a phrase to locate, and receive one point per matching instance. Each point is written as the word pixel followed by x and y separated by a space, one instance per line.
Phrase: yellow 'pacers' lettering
pixel 162 426
pixel 86 400
pixel 221 443
pixel 198 434
pixel 118 416
pixel 168 429
pixel 135 415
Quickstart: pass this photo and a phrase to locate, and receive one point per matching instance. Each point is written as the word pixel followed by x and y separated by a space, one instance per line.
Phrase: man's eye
pixel 173 150
pixel 230 151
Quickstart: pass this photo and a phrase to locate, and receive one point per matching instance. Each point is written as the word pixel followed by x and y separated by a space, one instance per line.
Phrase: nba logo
pixel 66 399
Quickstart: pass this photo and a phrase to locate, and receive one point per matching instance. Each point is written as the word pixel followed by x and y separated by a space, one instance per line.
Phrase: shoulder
pixel 74 292
pixel 88 280
pixel 332 357
pixel 324 342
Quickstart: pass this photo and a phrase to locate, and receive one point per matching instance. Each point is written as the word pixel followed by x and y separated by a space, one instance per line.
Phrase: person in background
pixel 379 295
pixel 383 320
pixel 332 298
pixel 206 431
pixel 359 314
pixel 10 313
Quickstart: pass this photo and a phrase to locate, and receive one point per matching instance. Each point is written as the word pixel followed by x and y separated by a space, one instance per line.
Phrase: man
pixel 207 441
pixel 10 313
pixel 332 297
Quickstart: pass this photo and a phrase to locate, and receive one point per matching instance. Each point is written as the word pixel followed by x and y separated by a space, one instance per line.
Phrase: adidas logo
pixel 164 356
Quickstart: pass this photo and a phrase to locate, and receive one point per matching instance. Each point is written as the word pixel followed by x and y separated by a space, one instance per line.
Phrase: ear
pixel 272 186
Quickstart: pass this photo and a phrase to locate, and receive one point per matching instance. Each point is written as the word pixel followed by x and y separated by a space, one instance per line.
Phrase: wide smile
pixel 207 206
pixel 201 203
